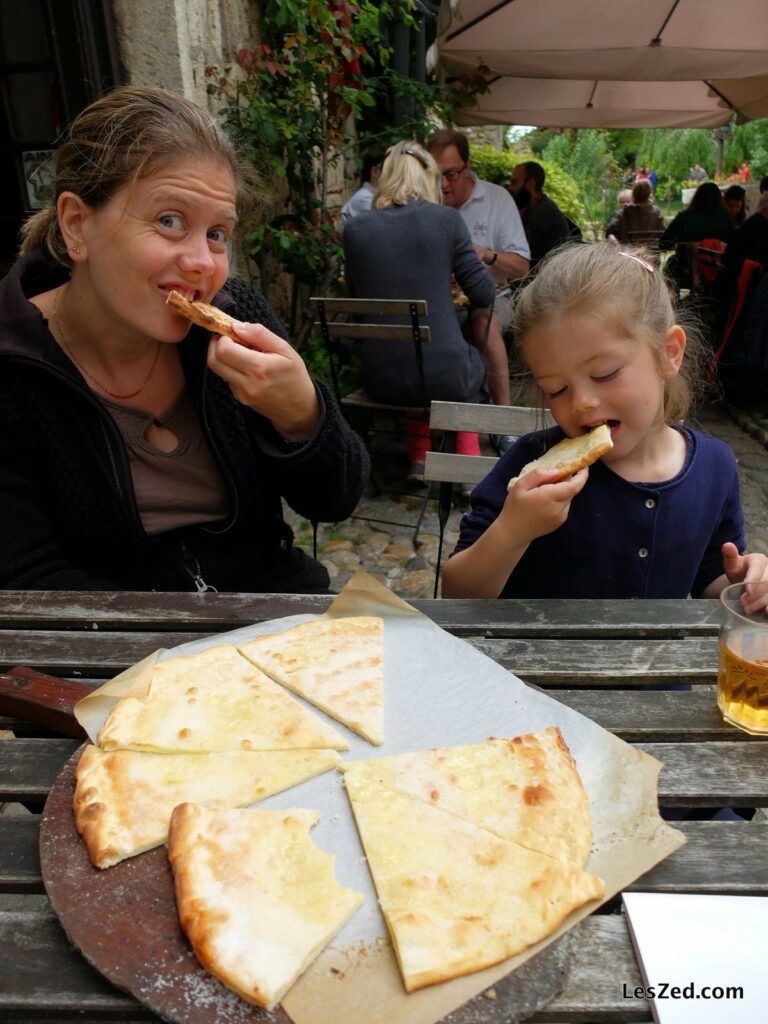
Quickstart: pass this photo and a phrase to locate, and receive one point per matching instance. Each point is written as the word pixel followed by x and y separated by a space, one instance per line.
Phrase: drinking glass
pixel 742 675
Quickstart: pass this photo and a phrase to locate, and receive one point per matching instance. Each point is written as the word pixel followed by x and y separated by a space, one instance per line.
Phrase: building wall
pixel 170 43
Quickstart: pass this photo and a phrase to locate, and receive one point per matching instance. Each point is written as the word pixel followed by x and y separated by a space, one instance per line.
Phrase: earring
pixel 75 250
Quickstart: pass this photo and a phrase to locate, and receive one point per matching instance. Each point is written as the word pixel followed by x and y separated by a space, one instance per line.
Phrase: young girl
pixel 660 514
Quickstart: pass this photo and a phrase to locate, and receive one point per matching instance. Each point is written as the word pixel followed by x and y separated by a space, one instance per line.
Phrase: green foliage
pixel 590 163
pixel 287 102
pixel 496 165
pixel 318 362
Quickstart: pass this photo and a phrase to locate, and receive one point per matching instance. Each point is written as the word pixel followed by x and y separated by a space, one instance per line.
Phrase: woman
pixel 408 246
pixel 705 218
pixel 641 215
pixel 137 452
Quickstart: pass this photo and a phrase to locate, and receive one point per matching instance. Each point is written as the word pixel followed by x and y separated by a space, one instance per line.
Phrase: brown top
pixel 175 488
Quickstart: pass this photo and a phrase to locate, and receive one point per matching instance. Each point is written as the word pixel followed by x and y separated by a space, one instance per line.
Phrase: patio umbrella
pixel 609 63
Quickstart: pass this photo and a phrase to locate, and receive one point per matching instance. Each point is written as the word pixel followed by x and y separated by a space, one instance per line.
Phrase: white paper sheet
pixel 706 957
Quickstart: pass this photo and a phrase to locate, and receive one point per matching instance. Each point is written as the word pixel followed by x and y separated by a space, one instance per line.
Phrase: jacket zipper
pixel 192 566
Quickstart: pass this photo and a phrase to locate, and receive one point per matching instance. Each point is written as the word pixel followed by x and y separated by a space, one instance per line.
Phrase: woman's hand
pixel 268 376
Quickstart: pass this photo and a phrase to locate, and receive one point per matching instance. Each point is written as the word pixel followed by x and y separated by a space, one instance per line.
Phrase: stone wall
pixel 171 43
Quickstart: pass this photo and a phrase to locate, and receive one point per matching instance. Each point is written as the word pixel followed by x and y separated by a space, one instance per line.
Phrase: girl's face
pixel 169 231
pixel 591 373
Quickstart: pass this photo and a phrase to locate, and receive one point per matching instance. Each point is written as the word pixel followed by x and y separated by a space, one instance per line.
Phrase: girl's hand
pixel 539 502
pixel 268 376
pixel 743 568
pixel 750 568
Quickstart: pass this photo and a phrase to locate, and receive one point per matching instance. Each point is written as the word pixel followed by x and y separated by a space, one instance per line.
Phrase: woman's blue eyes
pixel 170 220
pixel 175 222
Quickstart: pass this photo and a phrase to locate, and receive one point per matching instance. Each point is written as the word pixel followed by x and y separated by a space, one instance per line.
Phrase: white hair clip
pixel 643 263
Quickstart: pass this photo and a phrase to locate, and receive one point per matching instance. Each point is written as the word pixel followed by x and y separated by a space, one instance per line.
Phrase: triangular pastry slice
pixel 256 898
pixel 457 898
pixel 214 700
pixel 526 789
pixel 335 664
pixel 124 798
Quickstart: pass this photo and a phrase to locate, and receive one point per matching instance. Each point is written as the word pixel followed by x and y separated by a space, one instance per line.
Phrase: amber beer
pixel 742 678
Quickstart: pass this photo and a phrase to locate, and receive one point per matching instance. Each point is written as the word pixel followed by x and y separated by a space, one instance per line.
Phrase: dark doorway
pixel 55 57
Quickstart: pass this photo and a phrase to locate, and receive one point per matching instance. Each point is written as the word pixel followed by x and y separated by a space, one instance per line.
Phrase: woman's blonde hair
pixel 620 286
pixel 408 172
pixel 122 137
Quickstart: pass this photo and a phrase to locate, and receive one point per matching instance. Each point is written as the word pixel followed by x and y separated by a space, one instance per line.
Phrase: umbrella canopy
pixel 609 63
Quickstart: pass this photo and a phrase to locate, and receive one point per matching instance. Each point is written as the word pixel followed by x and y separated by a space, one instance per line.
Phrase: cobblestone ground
pixel 379 536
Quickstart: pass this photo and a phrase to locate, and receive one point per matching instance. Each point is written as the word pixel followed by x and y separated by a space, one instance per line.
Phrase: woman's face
pixel 169 231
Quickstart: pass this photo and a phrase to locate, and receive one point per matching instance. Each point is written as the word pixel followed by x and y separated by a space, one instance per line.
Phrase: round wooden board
pixel 124 922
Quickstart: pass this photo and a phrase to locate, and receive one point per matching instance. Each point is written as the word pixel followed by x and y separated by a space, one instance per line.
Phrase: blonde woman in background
pixel 408 247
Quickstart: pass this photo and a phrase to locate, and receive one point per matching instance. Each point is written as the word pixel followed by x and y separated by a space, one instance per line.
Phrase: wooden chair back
pixel 447 468
pixel 377 325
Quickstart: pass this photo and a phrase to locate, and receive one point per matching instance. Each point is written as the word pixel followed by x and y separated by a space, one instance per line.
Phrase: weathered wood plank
pixel 728 774
pixel 28 767
pixel 554 662
pixel 56 980
pixel 448 467
pixel 694 868
pixel 210 613
pixel 83 654
pixel 719 857
pixel 488 419
pixel 603 961
pixel 613 662
pixel 654 716
pixel 19 854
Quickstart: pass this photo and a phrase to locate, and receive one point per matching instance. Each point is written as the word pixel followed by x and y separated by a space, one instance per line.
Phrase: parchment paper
pixel 438 691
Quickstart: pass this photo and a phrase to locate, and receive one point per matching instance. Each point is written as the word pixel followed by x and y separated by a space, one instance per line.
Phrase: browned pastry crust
pixel 209 317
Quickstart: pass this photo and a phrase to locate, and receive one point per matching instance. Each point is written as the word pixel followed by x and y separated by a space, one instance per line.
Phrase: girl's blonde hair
pixel 408 172
pixel 122 137
pixel 621 286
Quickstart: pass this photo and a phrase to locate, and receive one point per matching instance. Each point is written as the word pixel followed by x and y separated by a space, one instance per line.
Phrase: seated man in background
pixel 499 240
pixel 545 225
pixel 362 199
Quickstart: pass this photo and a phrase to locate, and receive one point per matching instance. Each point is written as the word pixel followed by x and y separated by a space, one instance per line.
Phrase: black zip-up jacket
pixel 68 517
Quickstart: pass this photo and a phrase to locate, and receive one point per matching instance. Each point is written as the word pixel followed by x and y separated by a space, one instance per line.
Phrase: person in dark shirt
pixel 544 223
pixel 659 515
pixel 137 452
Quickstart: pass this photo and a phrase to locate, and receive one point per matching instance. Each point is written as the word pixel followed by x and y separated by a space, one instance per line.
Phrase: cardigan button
pixel 643 552
pixel 650 503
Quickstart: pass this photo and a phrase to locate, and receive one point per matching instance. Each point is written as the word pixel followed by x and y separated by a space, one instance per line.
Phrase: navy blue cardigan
pixel 623 539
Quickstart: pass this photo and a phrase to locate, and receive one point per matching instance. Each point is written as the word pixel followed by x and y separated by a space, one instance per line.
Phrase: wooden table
pixel 592 655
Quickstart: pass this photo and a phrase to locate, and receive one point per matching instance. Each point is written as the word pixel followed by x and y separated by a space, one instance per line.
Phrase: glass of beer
pixel 742 675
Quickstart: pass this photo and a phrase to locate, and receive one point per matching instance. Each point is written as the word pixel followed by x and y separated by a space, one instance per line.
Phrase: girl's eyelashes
pixel 556 394
pixel 606 376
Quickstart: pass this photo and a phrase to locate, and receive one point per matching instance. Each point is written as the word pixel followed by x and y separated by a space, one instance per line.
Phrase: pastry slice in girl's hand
pixel 209 317
pixel 571 454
